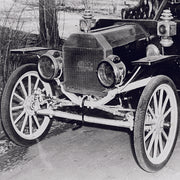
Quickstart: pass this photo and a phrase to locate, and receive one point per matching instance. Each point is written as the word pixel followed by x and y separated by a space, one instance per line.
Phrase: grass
pixel 11 39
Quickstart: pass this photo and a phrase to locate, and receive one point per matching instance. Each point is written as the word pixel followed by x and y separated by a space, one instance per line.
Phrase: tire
pixel 18 106
pixel 156 124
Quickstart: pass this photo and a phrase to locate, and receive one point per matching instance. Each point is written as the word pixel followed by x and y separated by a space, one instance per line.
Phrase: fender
pixel 168 65
pixel 29 50
pixel 30 54
pixel 151 60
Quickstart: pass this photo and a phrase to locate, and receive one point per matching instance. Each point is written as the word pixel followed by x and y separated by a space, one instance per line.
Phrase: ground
pixel 89 153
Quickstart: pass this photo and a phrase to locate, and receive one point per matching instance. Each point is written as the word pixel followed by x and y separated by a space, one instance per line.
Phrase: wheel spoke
pixel 161 100
pixel 23 89
pixel 167 112
pixel 36 84
pixel 164 104
pixel 29 85
pixel 160 143
pixel 149 134
pixel 24 122
pixel 19 97
pixel 164 135
pixel 151 112
pixel 155 147
pixel 36 121
pixel 151 143
pixel 17 108
pixel 30 125
pixel 19 117
pixel 155 104
pixel 166 125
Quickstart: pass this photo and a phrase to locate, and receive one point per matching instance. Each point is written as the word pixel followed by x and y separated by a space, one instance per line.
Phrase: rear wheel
pixel 22 96
pixel 156 124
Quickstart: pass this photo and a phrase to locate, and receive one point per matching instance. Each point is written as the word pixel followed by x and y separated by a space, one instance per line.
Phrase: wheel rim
pixel 25 99
pixel 160 125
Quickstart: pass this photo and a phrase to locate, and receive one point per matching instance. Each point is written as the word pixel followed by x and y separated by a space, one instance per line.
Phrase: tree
pixel 49 33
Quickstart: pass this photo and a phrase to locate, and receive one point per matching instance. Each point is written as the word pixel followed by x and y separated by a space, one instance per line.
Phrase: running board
pixel 127 123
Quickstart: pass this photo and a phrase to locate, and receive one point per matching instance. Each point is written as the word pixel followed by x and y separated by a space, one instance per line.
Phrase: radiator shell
pixel 84 51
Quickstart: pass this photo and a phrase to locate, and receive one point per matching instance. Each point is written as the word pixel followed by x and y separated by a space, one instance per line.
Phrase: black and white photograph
pixel 89 89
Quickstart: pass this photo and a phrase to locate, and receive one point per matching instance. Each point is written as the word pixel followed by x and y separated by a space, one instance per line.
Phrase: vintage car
pixel 116 72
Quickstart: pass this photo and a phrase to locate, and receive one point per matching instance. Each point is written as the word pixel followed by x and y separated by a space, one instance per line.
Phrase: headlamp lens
pixel 106 74
pixel 46 67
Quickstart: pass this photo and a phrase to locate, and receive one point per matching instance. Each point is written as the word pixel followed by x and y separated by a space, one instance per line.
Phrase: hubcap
pixel 30 105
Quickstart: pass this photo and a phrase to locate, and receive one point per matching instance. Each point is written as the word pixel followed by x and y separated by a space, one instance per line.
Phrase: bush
pixel 12 37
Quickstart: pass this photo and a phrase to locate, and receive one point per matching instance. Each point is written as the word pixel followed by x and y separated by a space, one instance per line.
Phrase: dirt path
pixel 86 154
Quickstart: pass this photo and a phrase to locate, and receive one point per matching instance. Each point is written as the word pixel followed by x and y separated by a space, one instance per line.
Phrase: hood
pixel 120 35
pixel 107 38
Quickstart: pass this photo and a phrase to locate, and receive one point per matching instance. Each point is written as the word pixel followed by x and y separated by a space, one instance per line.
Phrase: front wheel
pixel 156 124
pixel 21 98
